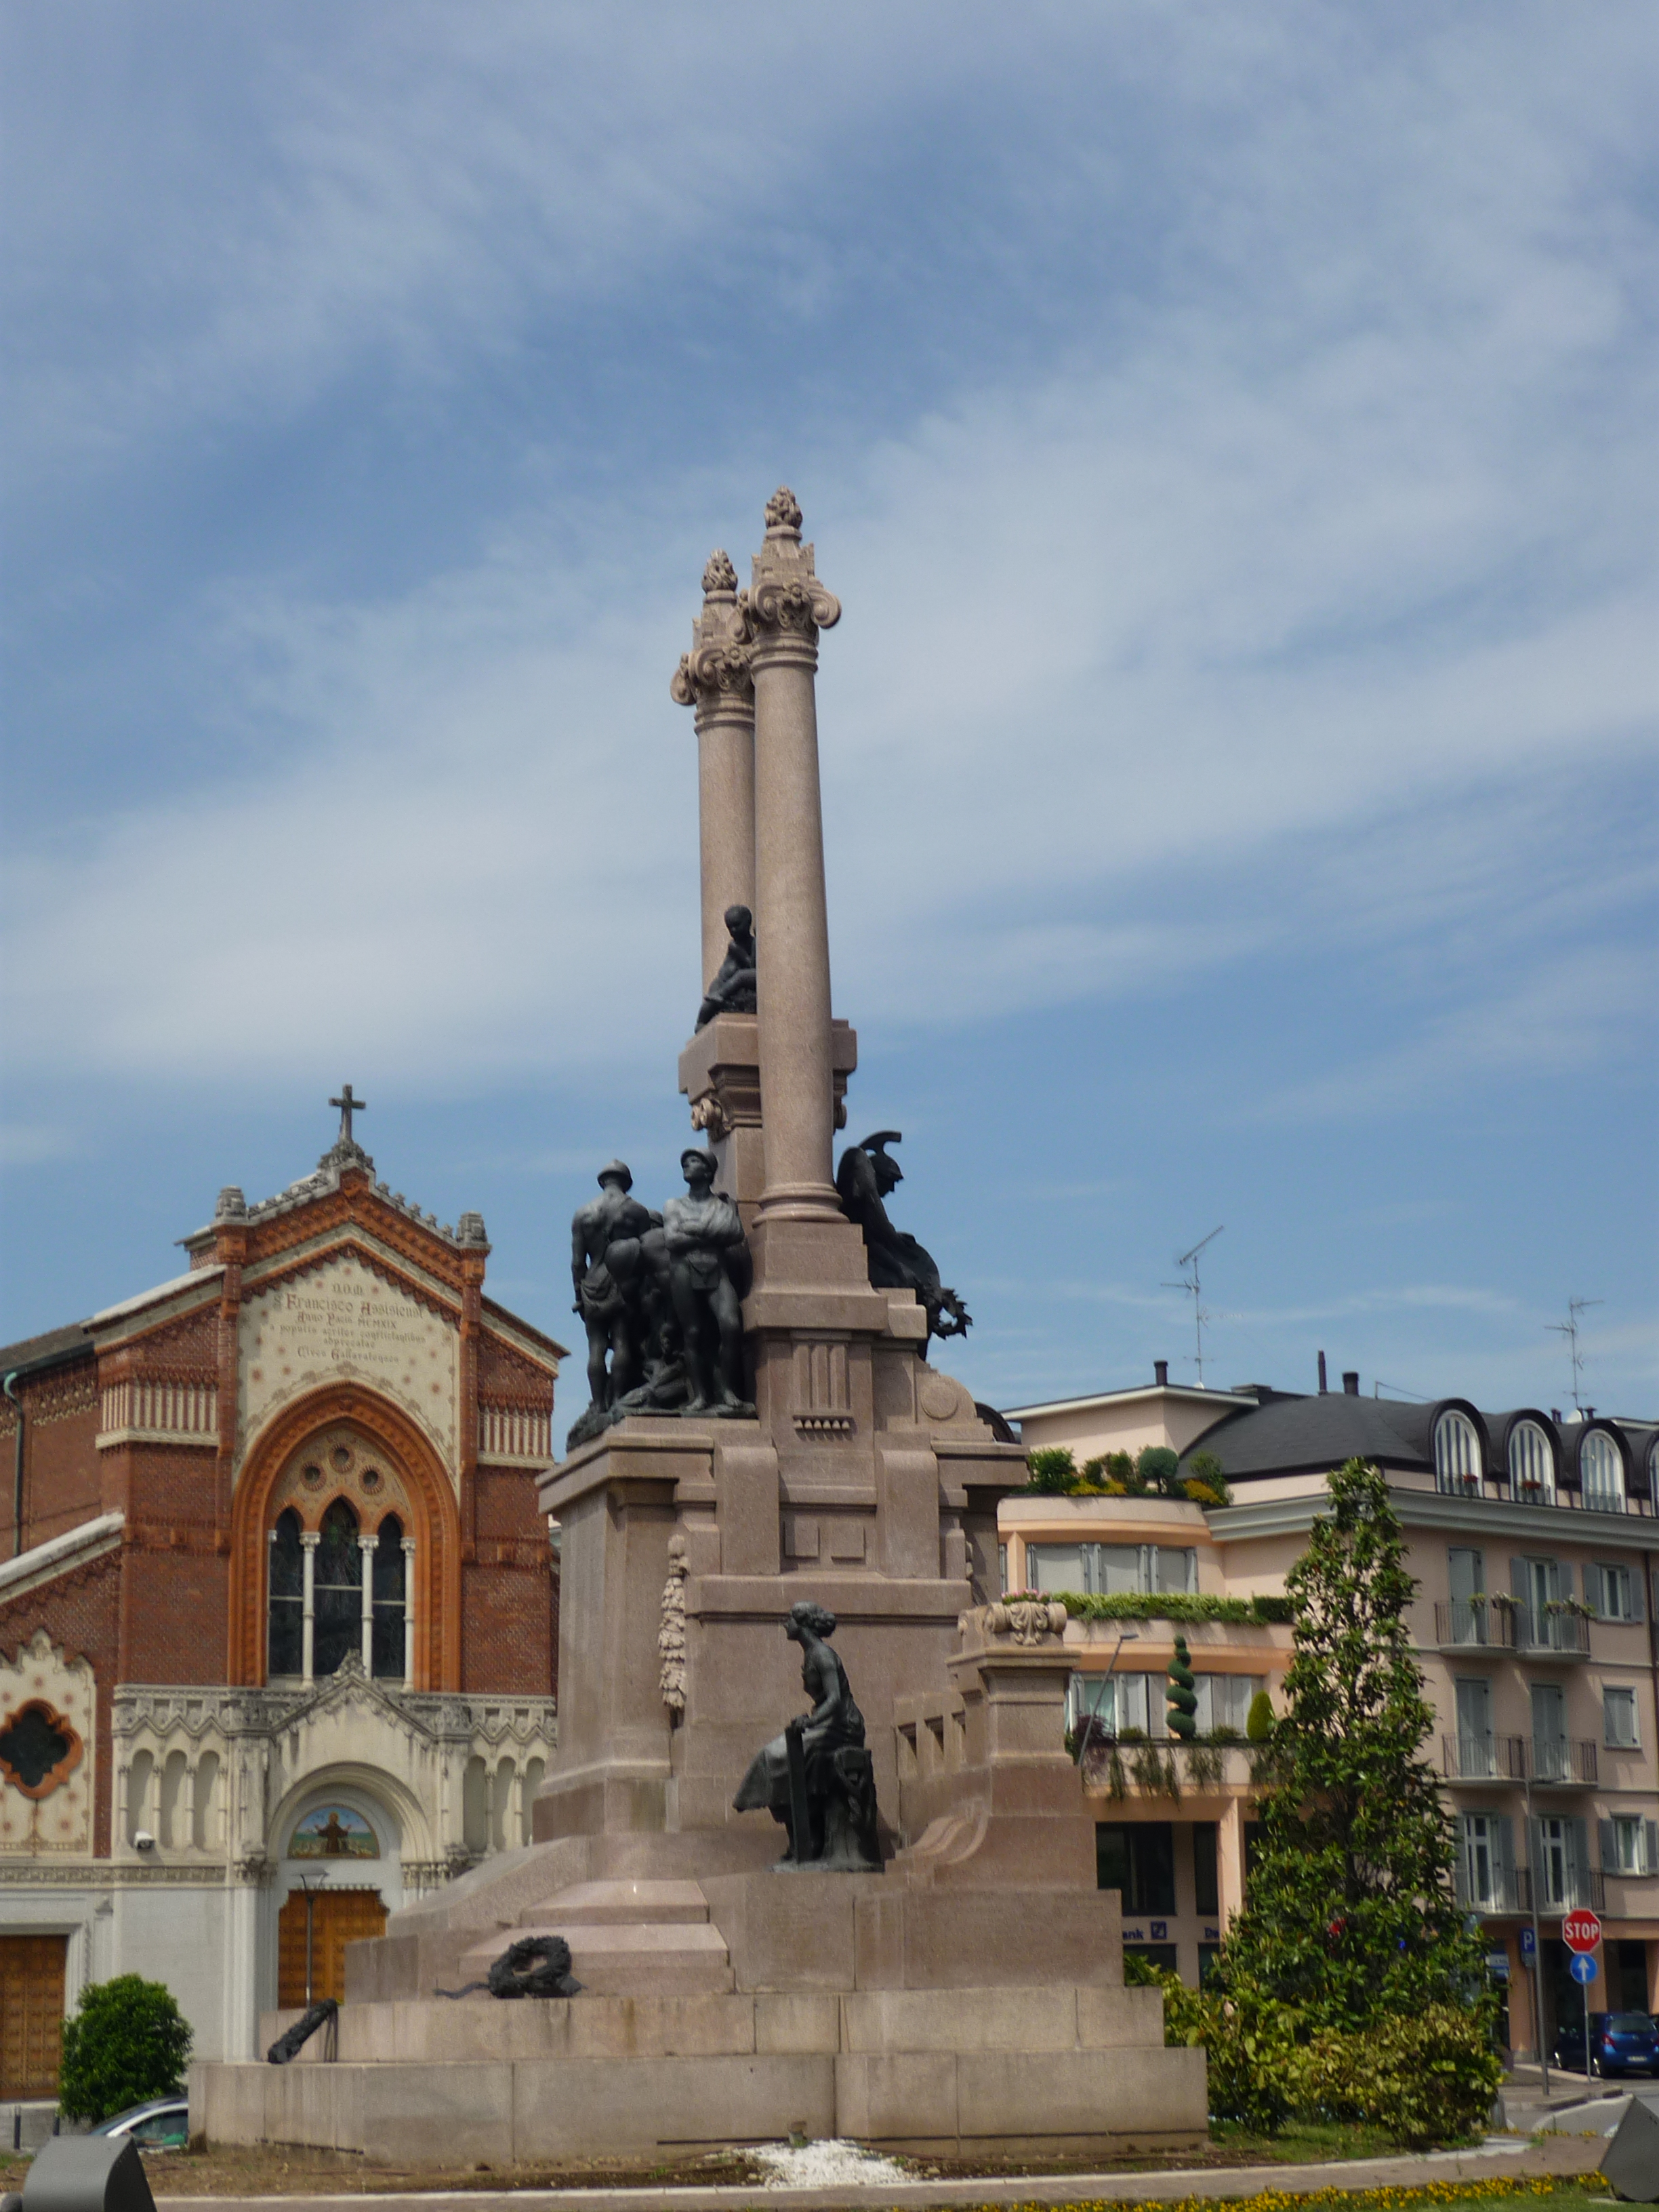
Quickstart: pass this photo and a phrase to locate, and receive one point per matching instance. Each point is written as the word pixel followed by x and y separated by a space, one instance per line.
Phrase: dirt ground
pixel 272 2170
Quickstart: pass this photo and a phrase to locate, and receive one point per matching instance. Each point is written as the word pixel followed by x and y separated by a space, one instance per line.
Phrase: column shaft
pixel 726 816
pixel 782 613
pixel 308 1543
pixel 791 934
pixel 713 679
pixel 408 1612
pixel 366 1552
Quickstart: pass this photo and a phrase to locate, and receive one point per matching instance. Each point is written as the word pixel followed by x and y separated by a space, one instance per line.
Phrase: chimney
pixel 1322 1375
pixel 1351 1381
pixel 1555 1415
pixel 1161 1373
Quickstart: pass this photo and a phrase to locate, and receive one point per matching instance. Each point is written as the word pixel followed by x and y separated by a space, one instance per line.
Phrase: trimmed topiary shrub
pixel 1259 1721
pixel 125 2042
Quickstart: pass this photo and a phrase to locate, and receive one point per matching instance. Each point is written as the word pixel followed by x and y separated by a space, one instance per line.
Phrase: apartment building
pixel 1534 1543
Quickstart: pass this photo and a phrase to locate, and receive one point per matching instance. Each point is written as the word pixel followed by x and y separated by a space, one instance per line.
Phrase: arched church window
pixel 390 1598
pixel 287 1596
pixel 337 1598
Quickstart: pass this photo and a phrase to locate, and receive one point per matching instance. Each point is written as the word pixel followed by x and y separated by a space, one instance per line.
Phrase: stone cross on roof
pixel 348 1106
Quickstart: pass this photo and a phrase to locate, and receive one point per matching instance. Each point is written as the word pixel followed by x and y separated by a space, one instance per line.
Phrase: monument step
pixel 602 1904
pixel 632 1959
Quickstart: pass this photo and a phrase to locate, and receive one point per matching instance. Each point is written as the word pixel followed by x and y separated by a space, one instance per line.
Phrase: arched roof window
pixel 1457 1457
pixel 1602 1471
pixel 1532 1464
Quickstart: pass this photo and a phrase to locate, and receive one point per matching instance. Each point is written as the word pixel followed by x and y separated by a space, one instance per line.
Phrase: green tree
pixel 1259 1721
pixel 1182 1693
pixel 1349 1909
pixel 125 2041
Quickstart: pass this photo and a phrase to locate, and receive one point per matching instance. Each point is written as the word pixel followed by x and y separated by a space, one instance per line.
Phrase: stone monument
pixel 933 1964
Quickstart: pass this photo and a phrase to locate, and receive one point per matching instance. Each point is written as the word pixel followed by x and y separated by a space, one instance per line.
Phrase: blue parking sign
pixel 1584 1969
pixel 1528 1945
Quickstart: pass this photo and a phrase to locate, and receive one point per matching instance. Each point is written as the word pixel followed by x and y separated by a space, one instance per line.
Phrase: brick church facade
pixel 278 1611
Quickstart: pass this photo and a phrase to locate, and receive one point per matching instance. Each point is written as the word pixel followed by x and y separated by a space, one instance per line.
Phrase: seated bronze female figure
pixel 816 1778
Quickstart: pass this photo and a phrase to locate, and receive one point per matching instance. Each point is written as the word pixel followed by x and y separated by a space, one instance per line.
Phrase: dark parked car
pixel 1620 2043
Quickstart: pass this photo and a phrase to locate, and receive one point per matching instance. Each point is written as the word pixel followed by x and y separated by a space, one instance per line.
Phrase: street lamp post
pixel 311 1884
pixel 1532 1872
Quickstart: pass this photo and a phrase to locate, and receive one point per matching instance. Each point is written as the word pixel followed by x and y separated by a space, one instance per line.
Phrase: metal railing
pixel 1514 1759
pixel 1483 1757
pixel 1537 1629
pixel 1558 1758
pixel 1509 1890
pixel 1462 1620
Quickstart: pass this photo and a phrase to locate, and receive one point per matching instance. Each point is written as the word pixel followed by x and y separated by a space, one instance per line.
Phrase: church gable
pixel 342 1319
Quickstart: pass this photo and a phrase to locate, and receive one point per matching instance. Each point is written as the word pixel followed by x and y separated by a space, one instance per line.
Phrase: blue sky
pixel 1232 434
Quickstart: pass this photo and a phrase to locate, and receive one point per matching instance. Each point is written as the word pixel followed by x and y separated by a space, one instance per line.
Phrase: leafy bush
pixel 1426 2077
pixel 1054 1471
pixel 125 2041
pixel 1259 1721
pixel 1249 2045
pixel 1206 1474
pixel 1173 1605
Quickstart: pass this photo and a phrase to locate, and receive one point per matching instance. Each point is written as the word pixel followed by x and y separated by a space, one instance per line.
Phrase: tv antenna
pixel 1569 1328
pixel 1188 1263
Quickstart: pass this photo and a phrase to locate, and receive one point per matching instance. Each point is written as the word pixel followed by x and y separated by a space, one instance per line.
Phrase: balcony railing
pixel 1509 1890
pixel 1537 1629
pixel 1507 1760
pixel 1556 1758
pixel 1562 1499
pixel 1483 1757
pixel 1473 1621
pixel 1503 1625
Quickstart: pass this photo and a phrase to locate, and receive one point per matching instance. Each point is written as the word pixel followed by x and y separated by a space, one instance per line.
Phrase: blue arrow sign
pixel 1584 1969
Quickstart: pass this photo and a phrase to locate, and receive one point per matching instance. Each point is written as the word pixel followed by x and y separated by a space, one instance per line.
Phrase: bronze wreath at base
pixel 535 1966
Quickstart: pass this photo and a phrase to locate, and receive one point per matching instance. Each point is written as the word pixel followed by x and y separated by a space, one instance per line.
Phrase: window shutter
pixel 1503 1843
pixel 1633 1584
pixel 1650 1846
pixel 1578 1856
pixel 1593 1594
pixel 1533 1825
pixel 1518 1581
pixel 1609 1847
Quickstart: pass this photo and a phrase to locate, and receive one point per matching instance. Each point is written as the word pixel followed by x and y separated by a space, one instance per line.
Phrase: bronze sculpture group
pixel 660 1296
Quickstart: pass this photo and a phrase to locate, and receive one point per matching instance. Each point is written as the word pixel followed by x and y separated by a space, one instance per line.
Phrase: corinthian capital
pixel 785 600
pixel 717 667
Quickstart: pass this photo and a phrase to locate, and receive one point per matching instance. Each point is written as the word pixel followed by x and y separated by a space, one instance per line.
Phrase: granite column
pixel 782 612
pixel 713 679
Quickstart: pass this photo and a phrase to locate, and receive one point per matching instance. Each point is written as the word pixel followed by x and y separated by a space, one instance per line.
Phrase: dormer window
pixel 1602 1471
pixel 1532 1464
pixel 1457 1465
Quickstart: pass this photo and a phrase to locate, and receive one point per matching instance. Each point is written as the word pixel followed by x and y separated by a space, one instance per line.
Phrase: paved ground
pixel 1563 2154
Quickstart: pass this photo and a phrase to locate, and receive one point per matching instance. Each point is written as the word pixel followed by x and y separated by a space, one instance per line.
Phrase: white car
pixel 163 2123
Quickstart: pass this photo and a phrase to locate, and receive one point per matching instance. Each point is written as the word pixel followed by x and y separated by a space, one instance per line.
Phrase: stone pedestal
pixel 868 1483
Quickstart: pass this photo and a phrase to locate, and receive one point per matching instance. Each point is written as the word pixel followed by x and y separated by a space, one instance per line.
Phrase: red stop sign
pixel 1580 1931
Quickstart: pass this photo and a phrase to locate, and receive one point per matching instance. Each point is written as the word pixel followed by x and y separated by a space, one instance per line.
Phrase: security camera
pixel 144 1841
